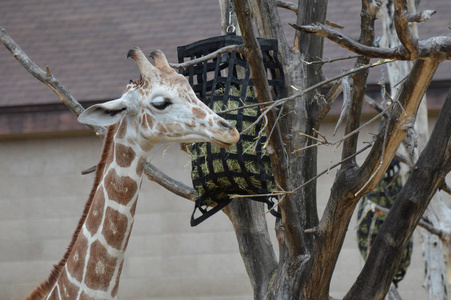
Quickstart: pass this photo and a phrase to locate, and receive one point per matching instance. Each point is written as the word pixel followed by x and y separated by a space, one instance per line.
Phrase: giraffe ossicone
pixel 160 106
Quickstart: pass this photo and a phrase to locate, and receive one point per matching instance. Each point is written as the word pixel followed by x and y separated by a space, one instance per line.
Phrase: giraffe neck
pixel 94 260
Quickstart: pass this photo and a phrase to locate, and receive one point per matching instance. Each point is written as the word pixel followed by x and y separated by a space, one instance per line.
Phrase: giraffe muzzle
pixel 229 136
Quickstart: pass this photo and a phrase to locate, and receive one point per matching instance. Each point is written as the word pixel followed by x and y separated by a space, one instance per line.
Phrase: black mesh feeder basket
pixel 223 83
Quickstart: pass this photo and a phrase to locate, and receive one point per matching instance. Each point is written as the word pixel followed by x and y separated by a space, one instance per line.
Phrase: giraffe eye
pixel 161 103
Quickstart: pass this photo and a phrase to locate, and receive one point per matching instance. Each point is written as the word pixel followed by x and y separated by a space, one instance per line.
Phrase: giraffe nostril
pixel 225 124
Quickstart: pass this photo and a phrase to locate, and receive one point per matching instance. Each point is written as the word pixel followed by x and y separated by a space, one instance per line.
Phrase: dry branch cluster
pixel 310 245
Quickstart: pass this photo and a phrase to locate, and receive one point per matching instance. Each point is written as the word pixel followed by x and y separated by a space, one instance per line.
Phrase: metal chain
pixel 231 28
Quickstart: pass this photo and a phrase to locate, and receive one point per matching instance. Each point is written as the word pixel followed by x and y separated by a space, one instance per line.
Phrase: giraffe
pixel 160 106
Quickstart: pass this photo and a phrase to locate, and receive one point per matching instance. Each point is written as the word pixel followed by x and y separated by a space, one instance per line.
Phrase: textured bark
pixel 368 17
pixel 299 209
pixel 427 176
pixel 437 249
pixel 308 249
pixel 437 214
pixel 426 48
pixel 254 243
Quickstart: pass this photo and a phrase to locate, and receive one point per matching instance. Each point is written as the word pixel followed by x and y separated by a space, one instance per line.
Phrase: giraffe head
pixel 161 106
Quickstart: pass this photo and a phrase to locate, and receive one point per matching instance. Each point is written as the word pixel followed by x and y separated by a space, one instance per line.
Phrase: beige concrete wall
pixel 42 195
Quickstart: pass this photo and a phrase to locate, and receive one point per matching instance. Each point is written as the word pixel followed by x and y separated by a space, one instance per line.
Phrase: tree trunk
pixel 309 248
pixel 427 176
pixel 435 250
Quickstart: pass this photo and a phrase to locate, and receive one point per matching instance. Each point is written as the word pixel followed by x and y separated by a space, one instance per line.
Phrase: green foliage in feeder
pixel 220 187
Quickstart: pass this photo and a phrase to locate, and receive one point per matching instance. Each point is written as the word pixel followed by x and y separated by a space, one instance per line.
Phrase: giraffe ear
pixel 105 114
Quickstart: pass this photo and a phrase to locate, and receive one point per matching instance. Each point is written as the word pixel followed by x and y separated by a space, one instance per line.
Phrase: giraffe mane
pixel 43 289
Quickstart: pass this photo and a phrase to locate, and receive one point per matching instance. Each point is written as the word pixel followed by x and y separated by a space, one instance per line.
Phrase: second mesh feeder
pixel 223 83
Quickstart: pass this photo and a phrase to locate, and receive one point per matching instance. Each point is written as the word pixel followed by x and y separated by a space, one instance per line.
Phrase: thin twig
pixel 274 194
pixel 442 234
pixel 328 61
pixel 390 97
pixel 338 142
pixel 272 129
pixel 282 101
pixel 307 147
pixel 226 49
pixel 446 188
pixel 378 167
pixel 287 5
pixel 324 141
pixel 365 124
pixel 373 103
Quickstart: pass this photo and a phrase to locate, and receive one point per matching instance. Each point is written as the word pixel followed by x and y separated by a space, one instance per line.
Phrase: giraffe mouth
pixel 221 143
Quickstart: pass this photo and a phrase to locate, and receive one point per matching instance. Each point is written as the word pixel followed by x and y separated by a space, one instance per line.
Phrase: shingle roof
pixel 85 42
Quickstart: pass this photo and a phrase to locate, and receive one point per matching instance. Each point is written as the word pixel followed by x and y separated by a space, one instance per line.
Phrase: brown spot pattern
pixel 199 113
pixel 178 127
pixel 191 124
pixel 124 155
pixel 132 211
pixel 143 122
pixel 170 127
pixel 100 268
pixel 76 262
pixel 54 294
pixel 96 211
pixel 120 189
pixel 109 159
pixel 148 121
pixel 140 167
pixel 114 228
pixel 116 285
pixel 67 289
pixel 122 130
pixel 84 296
pixel 161 129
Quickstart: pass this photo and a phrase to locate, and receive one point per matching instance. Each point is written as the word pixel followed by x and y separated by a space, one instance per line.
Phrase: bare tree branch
pixel 226 49
pixel 446 188
pixel 346 86
pixel 349 43
pixel 333 225
pixel 279 102
pixel 367 32
pixel 421 16
pixel 427 176
pixel 442 234
pixel 287 5
pixel 294 8
pixel 440 45
pixel 66 97
pixel 409 97
pixel 45 77
pixel 254 243
pixel 407 39
pixel 275 148
pixel 373 103
pixel 172 185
